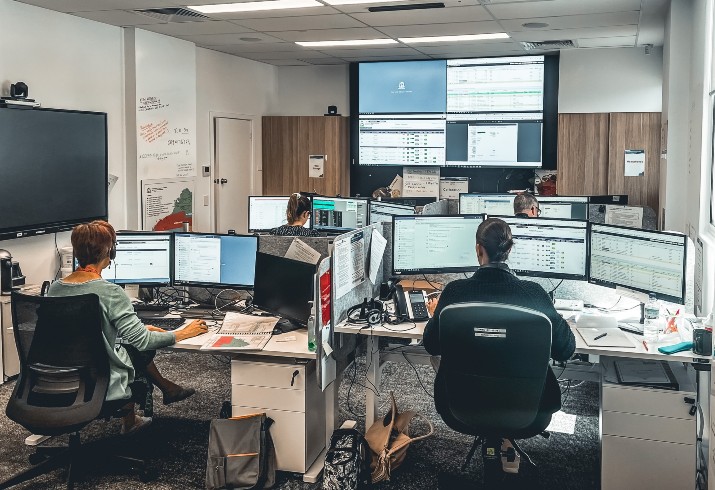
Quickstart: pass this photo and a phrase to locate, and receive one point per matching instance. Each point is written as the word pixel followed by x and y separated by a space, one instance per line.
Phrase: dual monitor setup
pixel 281 286
pixel 612 256
pixel 328 214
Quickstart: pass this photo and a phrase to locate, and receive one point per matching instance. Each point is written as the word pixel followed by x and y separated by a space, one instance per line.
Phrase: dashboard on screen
pixel 481 112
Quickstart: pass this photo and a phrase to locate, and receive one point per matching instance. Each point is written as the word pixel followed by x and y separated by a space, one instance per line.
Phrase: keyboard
pixel 150 307
pixel 635 328
pixel 165 323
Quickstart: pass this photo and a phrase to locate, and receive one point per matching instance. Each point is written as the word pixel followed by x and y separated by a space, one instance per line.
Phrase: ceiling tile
pixel 575 21
pixel 431 16
pixel 275 13
pixel 607 42
pixel 196 28
pixel 474 46
pixel 335 21
pixel 555 8
pixel 259 48
pixel 118 18
pixel 383 53
pixel 286 62
pixel 442 29
pixel 329 34
pixel 224 39
pixel 286 55
pixel 389 58
pixel 363 8
pixel 559 34
pixel 95 5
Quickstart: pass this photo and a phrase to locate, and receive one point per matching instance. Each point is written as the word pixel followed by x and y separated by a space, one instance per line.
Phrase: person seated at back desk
pixel 94 246
pixel 297 213
pixel 494 282
pixel 526 206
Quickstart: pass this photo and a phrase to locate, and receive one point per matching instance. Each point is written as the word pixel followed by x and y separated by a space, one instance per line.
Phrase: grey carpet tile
pixel 177 440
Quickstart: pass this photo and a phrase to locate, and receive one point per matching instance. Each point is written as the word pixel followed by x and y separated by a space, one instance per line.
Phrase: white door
pixel 233 173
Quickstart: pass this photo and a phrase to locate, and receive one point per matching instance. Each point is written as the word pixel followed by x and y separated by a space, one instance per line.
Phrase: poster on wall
pixel 316 166
pixel 165 106
pixel 634 163
pixel 167 204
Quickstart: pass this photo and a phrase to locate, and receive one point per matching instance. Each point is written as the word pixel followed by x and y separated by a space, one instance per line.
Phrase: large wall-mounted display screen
pixel 480 112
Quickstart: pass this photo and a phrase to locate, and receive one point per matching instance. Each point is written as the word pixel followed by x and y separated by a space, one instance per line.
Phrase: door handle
pixel 220 181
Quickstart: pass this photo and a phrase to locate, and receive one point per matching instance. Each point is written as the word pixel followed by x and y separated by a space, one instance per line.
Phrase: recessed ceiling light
pixel 250 39
pixel 442 39
pixel 254 6
pixel 352 42
pixel 534 25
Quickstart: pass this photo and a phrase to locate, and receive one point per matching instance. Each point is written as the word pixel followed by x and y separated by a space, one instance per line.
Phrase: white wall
pixel 228 86
pixel 610 80
pixel 68 63
pixel 309 90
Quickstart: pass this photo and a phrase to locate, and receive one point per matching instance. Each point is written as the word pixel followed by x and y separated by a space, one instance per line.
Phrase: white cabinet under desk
pixel 288 393
pixel 10 360
pixel 647 433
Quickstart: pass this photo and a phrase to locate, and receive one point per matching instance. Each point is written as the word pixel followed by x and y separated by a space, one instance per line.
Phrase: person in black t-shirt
pixel 297 213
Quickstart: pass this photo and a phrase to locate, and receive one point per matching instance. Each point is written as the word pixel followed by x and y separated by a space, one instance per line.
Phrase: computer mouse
pixel 277 330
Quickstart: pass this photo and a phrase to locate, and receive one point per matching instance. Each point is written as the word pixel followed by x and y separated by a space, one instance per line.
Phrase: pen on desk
pixel 600 336
pixel 645 346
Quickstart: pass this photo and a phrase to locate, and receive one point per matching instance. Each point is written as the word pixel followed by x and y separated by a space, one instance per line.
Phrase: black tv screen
pixel 53 168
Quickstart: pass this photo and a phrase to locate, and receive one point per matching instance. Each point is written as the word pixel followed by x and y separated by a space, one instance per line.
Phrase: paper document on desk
pixel 377 251
pixel 299 250
pixel 242 332
pixel 604 337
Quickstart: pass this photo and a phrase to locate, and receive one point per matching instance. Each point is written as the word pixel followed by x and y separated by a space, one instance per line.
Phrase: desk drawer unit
pixel 648 436
pixel 298 410
pixel 10 359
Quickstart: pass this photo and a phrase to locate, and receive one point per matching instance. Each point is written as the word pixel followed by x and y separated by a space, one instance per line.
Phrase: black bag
pixel 241 453
pixel 347 461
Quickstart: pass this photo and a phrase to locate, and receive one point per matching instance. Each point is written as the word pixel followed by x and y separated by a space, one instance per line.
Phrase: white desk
pixel 266 381
pixel 617 450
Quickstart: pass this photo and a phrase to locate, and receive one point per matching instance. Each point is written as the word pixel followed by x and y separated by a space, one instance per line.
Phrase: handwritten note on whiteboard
pixel 420 182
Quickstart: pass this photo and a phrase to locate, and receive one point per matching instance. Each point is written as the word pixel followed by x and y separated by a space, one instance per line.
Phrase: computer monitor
pixel 142 258
pixel 384 211
pixel 555 248
pixel 338 214
pixel 487 203
pixel 268 212
pixel 284 287
pixel 639 260
pixel 213 260
pixel 563 207
pixel 425 244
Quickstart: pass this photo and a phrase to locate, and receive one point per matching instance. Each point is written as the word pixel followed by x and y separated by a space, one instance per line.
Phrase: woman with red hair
pixel 94 247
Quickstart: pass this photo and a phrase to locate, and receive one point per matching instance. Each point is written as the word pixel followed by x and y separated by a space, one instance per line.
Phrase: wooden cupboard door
pixel 635 131
pixel 582 154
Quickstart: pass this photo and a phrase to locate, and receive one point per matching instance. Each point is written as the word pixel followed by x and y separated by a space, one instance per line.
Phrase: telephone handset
pixel 411 304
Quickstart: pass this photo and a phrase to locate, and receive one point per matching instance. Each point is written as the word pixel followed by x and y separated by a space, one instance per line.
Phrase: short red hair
pixel 93 242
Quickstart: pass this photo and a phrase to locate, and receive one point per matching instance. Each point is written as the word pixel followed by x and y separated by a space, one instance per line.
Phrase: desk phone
pixel 411 304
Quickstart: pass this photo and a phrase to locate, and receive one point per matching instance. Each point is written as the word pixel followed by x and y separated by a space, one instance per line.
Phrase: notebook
pixel 594 337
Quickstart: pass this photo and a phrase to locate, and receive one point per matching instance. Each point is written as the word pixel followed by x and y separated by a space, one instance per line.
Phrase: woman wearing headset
pixel 297 214
pixel 94 246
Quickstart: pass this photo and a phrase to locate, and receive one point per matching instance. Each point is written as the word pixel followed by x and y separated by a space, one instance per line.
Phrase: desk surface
pixel 278 346
pixel 415 331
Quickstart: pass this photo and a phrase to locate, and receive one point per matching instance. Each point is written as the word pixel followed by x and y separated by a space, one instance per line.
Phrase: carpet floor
pixel 178 437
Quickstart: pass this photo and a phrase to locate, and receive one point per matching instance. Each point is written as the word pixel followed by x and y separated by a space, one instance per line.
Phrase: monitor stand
pixel 285 325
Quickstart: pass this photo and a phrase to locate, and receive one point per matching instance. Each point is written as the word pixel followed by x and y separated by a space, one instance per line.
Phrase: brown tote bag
pixel 389 439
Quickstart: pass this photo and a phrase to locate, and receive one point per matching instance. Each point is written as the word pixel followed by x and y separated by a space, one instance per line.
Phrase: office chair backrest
pixel 493 369
pixel 64 366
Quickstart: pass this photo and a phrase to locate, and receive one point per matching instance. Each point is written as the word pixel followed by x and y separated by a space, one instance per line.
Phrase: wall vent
pixel 549 45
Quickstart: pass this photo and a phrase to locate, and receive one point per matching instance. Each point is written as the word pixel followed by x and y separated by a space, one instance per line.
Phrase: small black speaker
pixel 18 90
pixel 332 110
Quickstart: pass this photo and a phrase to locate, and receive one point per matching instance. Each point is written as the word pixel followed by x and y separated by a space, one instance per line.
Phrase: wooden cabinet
pixel 288 141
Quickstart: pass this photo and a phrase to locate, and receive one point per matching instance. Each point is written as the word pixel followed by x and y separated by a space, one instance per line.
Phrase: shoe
pixel 182 394
pixel 140 423
pixel 510 459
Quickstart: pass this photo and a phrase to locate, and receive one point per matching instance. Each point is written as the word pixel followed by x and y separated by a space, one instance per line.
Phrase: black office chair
pixel 492 377
pixel 64 375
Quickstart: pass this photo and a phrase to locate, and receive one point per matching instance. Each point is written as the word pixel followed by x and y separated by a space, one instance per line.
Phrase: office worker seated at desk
pixel 94 248
pixel 297 213
pixel 494 282
pixel 526 206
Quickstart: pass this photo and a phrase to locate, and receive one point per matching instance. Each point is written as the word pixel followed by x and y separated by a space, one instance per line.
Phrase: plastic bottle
pixel 311 332
pixel 651 324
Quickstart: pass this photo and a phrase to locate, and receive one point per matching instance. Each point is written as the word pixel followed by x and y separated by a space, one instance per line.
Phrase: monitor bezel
pixel 242 287
pixel 312 289
pixel 440 270
pixel 266 230
pixel 371 202
pixel 557 275
pixel 170 234
pixel 459 202
pixel 333 229
pixel 660 296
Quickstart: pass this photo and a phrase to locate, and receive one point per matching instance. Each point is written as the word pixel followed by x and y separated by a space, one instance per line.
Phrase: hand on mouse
pixel 193 329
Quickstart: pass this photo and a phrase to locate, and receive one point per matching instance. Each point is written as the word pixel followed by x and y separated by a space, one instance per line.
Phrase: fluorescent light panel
pixel 352 42
pixel 359 2
pixel 225 8
pixel 442 39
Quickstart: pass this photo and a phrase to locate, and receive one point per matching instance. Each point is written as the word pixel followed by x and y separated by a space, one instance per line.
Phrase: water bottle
pixel 311 333
pixel 651 324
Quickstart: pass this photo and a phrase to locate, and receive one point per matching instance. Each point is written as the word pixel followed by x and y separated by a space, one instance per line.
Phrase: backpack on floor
pixel 347 461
